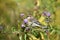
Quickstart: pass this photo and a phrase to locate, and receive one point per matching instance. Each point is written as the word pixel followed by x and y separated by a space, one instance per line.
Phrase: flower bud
pixel 22 26
pixel 46 14
pixel 27 28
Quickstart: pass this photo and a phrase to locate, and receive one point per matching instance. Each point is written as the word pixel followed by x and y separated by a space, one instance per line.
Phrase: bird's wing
pixel 42 20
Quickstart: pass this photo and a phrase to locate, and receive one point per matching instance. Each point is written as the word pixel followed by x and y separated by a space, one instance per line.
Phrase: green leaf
pixel 25 37
pixel 36 34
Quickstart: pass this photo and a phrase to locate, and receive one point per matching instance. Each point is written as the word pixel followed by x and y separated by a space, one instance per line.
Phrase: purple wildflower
pixel 22 14
pixel 25 20
pixel 46 14
pixel 23 26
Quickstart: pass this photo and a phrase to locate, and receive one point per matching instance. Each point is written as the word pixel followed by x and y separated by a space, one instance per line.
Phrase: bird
pixel 37 22
pixel 33 22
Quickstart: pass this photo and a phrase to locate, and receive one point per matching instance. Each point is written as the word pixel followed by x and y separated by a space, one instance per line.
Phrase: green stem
pixel 25 37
